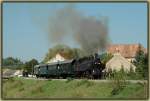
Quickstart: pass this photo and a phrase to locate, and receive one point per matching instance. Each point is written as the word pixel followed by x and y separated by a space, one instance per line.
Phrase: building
pixel 117 62
pixel 11 73
pixel 58 57
pixel 126 50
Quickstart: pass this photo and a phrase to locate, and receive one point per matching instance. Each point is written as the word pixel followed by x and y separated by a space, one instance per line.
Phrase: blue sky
pixel 25 35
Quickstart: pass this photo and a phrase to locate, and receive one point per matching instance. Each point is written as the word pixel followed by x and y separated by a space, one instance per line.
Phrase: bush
pixel 119 81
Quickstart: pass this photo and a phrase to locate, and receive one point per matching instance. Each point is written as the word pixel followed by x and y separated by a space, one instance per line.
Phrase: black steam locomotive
pixel 87 67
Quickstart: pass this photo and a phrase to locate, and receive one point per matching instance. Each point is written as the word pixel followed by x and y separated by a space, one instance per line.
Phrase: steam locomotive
pixel 87 67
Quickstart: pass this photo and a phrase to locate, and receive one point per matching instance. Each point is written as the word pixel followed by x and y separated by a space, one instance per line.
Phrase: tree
pixel 12 63
pixel 30 64
pixel 105 57
pixel 119 81
pixel 141 62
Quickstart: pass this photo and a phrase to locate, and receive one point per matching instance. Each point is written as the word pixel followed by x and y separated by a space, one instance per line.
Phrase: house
pixel 126 50
pixel 117 62
pixel 11 73
pixel 58 57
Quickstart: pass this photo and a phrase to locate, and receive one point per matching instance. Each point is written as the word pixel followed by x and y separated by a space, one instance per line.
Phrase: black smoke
pixel 89 32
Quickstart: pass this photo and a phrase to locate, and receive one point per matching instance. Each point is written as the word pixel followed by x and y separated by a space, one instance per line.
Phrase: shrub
pixel 119 81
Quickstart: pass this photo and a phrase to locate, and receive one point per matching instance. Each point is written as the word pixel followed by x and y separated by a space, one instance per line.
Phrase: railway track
pixel 101 80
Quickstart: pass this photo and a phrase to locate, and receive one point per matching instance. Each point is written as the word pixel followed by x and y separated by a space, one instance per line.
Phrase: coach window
pixel 58 66
pixel 47 67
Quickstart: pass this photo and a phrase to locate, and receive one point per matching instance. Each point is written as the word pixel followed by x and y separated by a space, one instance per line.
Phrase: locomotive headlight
pixel 97 63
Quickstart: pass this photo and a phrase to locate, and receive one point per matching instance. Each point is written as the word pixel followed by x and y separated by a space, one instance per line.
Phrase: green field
pixel 29 88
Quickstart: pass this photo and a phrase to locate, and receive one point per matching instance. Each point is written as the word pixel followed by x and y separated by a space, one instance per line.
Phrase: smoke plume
pixel 90 33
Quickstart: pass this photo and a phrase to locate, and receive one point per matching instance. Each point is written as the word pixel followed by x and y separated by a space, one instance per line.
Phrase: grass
pixel 28 88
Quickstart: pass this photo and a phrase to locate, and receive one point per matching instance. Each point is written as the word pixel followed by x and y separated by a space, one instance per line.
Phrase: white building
pixel 57 58
pixel 118 62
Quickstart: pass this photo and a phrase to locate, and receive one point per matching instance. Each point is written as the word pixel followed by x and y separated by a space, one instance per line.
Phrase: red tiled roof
pixel 126 50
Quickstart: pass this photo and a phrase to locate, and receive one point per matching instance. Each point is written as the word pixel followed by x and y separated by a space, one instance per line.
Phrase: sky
pixel 25 26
